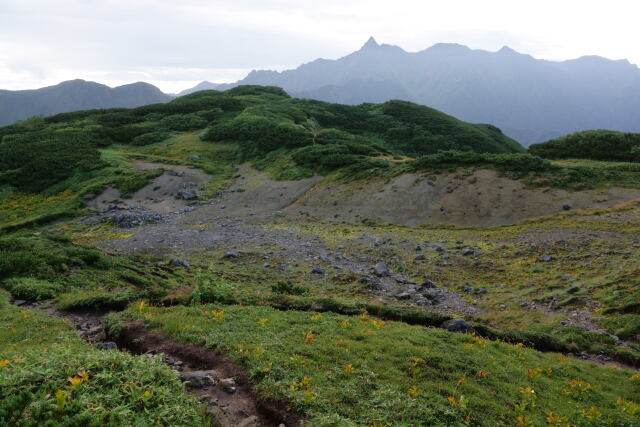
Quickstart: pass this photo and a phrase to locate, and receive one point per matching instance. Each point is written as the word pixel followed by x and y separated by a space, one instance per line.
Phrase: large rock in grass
pixel 457 325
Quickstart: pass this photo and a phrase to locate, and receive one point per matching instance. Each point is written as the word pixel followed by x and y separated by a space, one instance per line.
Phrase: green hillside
pixel 592 144
pixel 38 153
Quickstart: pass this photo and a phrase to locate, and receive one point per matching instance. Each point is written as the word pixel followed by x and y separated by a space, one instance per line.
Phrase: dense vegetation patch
pixel 592 144
pixel 36 268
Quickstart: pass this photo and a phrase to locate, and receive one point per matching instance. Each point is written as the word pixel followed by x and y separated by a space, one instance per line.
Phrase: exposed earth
pixel 285 228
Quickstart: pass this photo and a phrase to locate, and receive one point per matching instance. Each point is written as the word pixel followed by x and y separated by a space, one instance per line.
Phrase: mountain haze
pixel 74 95
pixel 531 100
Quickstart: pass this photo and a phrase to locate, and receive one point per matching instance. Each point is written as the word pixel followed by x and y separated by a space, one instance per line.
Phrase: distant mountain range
pixel 531 100
pixel 74 95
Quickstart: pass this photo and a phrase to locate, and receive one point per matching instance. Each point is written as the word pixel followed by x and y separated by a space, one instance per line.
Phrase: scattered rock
pixel 420 257
pixel 457 325
pixel 317 270
pixel 381 269
pixel 283 268
pixel 19 302
pixel 179 262
pixel 566 207
pixel 251 421
pixel 545 258
pixel 228 385
pixel 198 379
pixel 230 255
pixel 108 346
pixel 468 252
pixel 186 195
pixel 174 173
pixel 194 157
pixel 573 289
pixel 403 296
pixel 428 284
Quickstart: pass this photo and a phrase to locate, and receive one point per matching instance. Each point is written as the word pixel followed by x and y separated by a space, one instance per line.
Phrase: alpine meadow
pixel 255 254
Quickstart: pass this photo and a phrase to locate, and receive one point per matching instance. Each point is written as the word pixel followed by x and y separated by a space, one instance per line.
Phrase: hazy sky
pixel 176 43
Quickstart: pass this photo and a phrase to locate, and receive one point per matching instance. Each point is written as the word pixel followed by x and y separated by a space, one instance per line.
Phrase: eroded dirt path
pixel 225 388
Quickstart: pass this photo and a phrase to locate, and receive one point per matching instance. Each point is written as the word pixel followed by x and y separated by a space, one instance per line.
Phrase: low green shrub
pixel 150 138
pixel 289 288
pixel 592 144
pixel 30 289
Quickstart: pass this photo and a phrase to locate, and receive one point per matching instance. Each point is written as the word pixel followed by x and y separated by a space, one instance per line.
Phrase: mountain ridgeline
pixel 531 100
pixel 74 95
pixel 261 122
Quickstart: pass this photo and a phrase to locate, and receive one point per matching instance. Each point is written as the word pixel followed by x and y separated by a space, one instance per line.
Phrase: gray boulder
pixel 457 325
pixel 179 262
pixel 187 195
pixel 108 346
pixel 198 379
pixel 381 269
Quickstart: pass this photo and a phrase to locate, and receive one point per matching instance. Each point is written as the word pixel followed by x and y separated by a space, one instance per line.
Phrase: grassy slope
pixel 36 268
pixel 355 370
pixel 602 267
pixel 38 357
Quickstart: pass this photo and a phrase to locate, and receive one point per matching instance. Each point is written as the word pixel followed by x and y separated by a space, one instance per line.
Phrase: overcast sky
pixel 175 44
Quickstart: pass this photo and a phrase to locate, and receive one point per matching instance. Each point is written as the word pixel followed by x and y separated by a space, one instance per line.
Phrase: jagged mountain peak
pixel 370 44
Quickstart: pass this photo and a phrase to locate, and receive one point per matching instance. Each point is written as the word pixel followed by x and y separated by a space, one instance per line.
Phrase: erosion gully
pixel 226 390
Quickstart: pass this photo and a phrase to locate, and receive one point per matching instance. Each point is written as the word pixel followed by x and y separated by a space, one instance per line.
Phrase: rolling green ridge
pixel 592 144
pixel 260 120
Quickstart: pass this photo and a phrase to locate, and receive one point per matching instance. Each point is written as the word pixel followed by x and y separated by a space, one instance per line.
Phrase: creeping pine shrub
pixel 30 289
pixel 592 144
pixel 209 291
pixel 289 288
pixel 514 162
pixel 150 138
pixel 183 122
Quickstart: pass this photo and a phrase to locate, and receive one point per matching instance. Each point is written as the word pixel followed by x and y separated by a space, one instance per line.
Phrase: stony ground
pixel 493 274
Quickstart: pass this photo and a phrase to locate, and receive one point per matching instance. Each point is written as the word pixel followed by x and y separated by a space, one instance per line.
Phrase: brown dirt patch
pixel 238 406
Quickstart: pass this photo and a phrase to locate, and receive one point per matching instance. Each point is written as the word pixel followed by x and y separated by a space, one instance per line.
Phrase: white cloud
pixel 171 43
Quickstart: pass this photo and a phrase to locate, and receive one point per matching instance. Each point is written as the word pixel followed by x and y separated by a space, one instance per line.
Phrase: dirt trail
pixel 225 388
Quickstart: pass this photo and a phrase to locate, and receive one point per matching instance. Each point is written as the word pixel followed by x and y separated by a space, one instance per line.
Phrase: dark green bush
pixel 592 144
pixel 41 257
pixel 515 162
pixel 150 138
pixel 289 288
pixel 182 122
pixel 37 161
pixel 30 289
